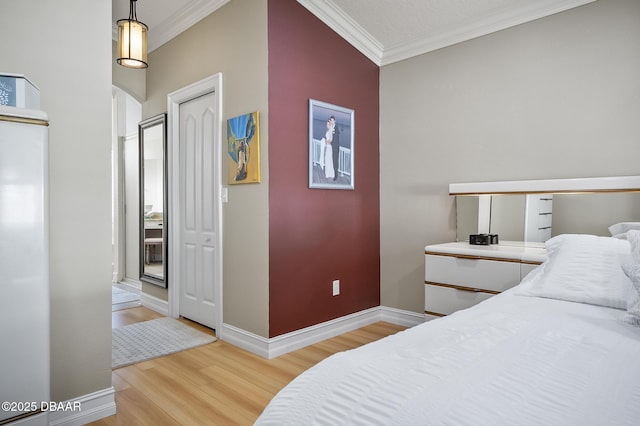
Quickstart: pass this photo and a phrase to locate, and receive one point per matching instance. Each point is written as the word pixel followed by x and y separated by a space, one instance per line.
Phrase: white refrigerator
pixel 24 266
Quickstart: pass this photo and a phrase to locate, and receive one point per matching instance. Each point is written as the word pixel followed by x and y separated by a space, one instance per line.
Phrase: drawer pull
pixel 462 288
pixel 473 257
pixel 470 290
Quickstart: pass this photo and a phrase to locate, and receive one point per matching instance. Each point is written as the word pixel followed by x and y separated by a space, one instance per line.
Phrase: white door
pixel 198 199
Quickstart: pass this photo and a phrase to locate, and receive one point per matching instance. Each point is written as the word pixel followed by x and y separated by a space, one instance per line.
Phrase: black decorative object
pixel 483 239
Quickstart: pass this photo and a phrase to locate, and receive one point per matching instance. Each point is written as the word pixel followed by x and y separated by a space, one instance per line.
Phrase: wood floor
pixel 215 384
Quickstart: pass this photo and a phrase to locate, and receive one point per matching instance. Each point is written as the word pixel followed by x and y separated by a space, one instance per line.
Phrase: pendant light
pixel 132 40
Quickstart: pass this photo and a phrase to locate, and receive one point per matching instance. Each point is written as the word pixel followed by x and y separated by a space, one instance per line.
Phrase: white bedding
pixel 512 360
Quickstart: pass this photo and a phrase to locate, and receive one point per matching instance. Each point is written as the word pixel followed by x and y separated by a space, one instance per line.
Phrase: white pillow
pixel 634 239
pixel 633 305
pixel 582 268
pixel 623 227
pixel 633 272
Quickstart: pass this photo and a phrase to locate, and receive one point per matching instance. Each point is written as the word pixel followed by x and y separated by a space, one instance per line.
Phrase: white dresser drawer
pixel 152 224
pixel 446 300
pixel 545 205
pixel 545 221
pixel 493 275
pixel 459 275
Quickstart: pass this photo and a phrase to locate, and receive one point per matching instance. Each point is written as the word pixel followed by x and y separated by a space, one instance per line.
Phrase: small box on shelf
pixel 483 239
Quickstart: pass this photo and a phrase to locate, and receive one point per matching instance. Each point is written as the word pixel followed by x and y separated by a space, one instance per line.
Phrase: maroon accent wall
pixel 318 235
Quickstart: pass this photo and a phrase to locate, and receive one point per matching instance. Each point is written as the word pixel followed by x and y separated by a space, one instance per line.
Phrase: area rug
pixel 151 339
pixel 123 299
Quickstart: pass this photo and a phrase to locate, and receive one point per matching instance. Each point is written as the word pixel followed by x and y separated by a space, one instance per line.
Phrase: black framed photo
pixel 331 154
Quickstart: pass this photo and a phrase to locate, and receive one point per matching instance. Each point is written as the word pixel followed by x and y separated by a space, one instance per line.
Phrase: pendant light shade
pixel 132 40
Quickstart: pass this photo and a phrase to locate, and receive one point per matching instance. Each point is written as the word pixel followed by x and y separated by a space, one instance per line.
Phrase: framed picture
pixel 243 147
pixel 330 146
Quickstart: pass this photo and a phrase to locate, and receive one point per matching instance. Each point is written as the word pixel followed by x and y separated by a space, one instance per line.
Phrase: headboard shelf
pixel 549 186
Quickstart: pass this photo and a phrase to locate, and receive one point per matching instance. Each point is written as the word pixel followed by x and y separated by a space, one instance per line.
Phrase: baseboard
pixel 155 304
pixel 125 305
pixel 273 347
pixel 132 285
pixel 400 317
pixel 244 339
pixel 85 409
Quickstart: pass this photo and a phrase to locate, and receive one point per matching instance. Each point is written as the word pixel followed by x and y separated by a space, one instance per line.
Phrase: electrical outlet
pixel 336 287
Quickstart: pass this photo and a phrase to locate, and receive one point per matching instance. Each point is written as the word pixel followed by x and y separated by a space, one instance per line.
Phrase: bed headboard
pixel 535 210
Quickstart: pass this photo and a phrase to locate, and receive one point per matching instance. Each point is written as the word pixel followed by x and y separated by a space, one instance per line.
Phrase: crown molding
pixel 178 22
pixel 352 32
pixel 531 12
pixel 346 27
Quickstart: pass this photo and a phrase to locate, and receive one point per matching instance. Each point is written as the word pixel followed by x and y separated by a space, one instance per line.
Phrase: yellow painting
pixel 243 141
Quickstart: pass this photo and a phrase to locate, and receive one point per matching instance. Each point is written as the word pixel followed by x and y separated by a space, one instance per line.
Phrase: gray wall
pixel 232 41
pixel 508 227
pixel 71 64
pixel 593 213
pixel 554 98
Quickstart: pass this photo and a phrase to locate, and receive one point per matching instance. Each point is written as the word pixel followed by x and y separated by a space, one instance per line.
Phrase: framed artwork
pixel 331 155
pixel 243 147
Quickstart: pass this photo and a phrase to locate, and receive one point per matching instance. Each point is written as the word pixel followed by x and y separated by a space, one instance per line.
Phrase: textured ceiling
pixel 386 31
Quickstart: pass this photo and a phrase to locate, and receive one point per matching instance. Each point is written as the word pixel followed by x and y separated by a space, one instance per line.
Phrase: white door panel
pixel 198 198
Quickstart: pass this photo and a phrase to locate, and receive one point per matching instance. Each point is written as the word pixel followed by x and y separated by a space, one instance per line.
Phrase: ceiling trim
pixel 533 11
pixel 178 22
pixel 346 27
pixel 349 29
pixel 329 13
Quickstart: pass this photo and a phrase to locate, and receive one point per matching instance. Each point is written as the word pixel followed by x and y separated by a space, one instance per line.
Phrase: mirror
pixel 538 217
pixel 153 200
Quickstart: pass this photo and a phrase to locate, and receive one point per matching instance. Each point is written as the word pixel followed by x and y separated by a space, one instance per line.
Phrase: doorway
pixel 195 185
pixel 126 114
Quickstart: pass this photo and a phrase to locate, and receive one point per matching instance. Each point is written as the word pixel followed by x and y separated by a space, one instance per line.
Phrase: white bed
pixel 519 358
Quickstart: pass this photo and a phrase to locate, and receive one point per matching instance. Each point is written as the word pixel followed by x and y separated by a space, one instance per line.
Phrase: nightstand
pixel 459 275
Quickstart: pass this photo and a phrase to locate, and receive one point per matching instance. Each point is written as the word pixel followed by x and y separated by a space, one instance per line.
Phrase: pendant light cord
pixel 132 11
